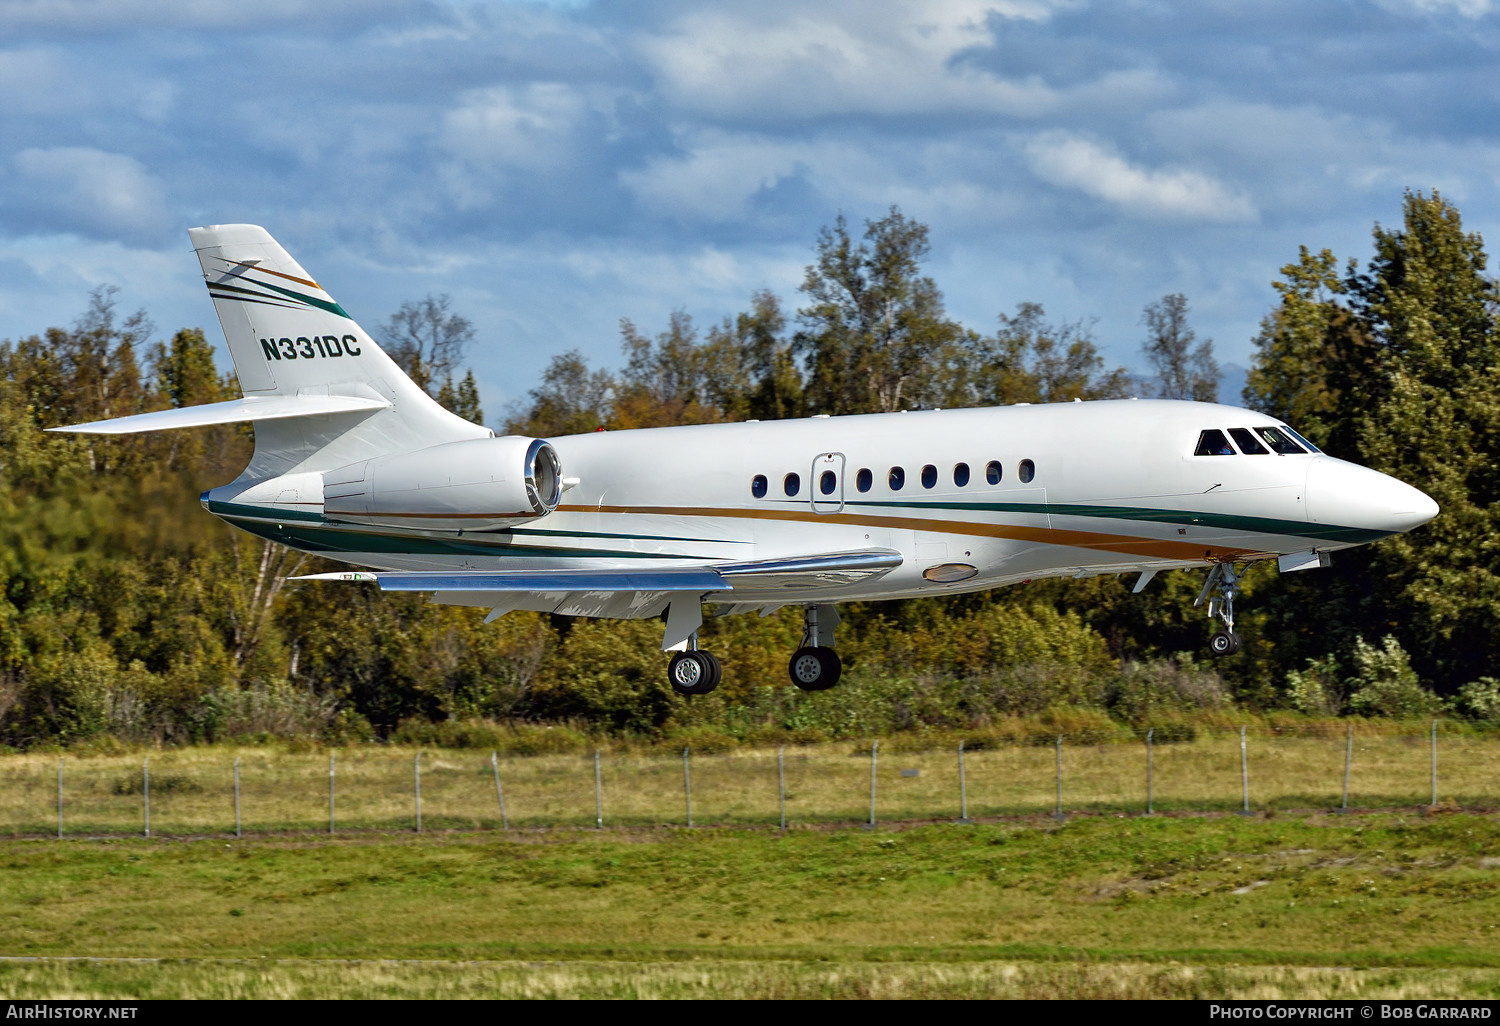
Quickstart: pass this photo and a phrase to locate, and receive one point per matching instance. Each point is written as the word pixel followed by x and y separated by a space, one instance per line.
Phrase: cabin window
pixel 1247 443
pixel 864 479
pixel 758 486
pixel 1027 471
pixel 828 482
pixel 896 479
pixel 961 474
pixel 1213 443
pixel 929 476
pixel 791 484
pixel 992 472
pixel 1278 440
pixel 1298 436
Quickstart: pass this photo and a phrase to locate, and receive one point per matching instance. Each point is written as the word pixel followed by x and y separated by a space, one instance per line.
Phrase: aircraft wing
pixel 630 592
pixel 788 572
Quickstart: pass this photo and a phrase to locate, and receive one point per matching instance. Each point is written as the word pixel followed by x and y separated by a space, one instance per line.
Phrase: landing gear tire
pixel 1224 643
pixel 815 669
pixel 694 673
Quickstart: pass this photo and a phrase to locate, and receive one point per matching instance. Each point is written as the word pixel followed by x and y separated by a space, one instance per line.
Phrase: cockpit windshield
pixel 1247 443
pixel 1257 441
pixel 1305 443
pixel 1280 441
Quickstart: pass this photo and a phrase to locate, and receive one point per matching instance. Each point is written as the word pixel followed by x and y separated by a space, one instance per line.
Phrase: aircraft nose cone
pixel 1353 496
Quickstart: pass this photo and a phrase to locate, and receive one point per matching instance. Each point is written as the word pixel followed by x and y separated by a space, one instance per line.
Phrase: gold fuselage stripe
pixel 1155 548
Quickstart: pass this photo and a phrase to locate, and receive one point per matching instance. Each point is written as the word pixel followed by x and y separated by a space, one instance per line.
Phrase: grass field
pixel 1370 905
pixel 192 789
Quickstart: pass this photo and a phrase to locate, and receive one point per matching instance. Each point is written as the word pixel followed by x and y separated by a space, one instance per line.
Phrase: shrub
pixel 65 696
pixel 1144 691
pixel 704 740
pixel 1316 689
pixel 1384 684
pixel 1480 699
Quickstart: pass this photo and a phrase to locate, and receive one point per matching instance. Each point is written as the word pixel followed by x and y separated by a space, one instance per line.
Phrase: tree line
pixel 127 612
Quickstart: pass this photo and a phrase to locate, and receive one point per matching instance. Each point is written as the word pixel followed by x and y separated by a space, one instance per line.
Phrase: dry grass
pixel 192 789
pixel 239 979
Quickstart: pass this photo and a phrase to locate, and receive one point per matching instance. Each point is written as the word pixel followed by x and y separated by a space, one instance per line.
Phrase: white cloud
pixel 530 127
pixel 38 83
pixel 715 181
pixel 792 60
pixel 93 192
pixel 106 15
pixel 1466 8
pixel 1298 154
pixel 1065 159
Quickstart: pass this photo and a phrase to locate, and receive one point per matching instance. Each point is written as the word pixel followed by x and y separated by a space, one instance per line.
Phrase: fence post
pixel 1434 762
pixel 781 782
pixel 598 794
pixel 146 793
pixel 59 800
pixel 330 791
pixel 874 757
pixel 237 797
pixel 1059 813
pixel 417 777
pixel 687 786
pixel 499 792
pixel 963 788
pixel 1149 734
pixel 1244 775
pixel 1348 761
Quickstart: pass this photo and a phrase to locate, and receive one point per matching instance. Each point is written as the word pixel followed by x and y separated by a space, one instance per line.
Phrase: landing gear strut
pixel 815 666
pixel 1223 585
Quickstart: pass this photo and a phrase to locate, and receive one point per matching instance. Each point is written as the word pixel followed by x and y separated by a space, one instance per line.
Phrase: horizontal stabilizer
pixel 234 411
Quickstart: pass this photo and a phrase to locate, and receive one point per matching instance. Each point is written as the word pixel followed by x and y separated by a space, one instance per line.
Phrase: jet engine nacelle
pixel 481 484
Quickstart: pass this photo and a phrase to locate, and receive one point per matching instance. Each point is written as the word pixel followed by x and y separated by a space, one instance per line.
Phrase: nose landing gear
pixel 1223 581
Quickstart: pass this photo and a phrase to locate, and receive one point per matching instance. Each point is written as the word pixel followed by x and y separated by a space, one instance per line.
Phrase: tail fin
pixel 288 337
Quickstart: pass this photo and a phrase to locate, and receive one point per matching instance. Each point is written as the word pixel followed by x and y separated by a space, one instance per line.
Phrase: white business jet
pixel 355 462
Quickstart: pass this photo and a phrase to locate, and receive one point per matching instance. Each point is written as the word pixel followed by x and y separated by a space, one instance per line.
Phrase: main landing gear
pixel 694 672
pixel 1223 585
pixel 815 666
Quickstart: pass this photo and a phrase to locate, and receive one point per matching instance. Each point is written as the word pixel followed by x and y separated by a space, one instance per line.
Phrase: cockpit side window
pixel 1213 443
pixel 1279 441
pixel 1298 436
pixel 1247 442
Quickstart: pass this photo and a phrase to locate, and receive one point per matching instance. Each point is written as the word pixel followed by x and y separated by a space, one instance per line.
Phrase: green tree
pixel 1183 370
pixel 751 370
pixel 1314 360
pixel 571 399
pixel 874 332
pixel 1032 361
pixel 1435 423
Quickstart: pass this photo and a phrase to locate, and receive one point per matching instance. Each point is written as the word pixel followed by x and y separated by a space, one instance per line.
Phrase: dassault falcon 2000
pixel 355 462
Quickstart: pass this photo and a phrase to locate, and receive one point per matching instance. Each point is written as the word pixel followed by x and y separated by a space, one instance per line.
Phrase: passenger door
pixel 827 482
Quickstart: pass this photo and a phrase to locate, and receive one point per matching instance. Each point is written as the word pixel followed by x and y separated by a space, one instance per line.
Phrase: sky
pixel 555 167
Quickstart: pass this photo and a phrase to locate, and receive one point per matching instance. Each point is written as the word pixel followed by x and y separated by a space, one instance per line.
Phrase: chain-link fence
pixel 257 790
